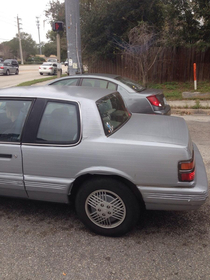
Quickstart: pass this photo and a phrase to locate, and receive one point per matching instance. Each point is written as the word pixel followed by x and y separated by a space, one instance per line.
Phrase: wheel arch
pixel 76 185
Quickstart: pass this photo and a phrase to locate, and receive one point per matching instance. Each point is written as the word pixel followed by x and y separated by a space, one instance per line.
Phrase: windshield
pixel 113 112
pixel 130 83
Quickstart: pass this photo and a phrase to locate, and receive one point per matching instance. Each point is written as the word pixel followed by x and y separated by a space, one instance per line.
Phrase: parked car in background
pixel 2 69
pixel 1 59
pixel 137 98
pixel 10 66
pixel 66 62
pixel 49 68
pixel 80 144
pixel 52 60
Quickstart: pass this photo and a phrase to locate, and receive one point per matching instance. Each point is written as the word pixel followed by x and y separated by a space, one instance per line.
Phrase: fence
pixel 173 64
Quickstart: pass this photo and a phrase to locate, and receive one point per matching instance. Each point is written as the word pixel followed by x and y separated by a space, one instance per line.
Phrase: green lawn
pixel 173 90
pixel 33 82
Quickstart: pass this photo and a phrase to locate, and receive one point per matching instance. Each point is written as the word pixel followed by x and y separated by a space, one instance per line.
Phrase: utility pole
pixel 58 26
pixel 73 37
pixel 58 54
pixel 20 44
pixel 38 25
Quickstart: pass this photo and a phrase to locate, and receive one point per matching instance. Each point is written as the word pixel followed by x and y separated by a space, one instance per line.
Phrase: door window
pixel 12 118
pixel 59 124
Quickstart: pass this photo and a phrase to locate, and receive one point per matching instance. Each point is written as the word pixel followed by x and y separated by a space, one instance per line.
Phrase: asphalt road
pixel 46 241
pixel 26 73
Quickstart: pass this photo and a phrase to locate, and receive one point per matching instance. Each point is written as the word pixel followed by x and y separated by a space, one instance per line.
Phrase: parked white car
pixel 49 68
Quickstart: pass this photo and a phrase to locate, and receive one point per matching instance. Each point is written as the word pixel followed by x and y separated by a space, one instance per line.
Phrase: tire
pixel 17 72
pixel 95 208
pixel 7 72
pixel 41 73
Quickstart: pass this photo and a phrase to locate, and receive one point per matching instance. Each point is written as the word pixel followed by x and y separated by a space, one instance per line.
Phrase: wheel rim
pixel 105 209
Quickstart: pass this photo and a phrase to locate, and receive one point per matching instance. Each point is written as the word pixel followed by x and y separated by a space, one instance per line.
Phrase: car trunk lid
pixel 161 129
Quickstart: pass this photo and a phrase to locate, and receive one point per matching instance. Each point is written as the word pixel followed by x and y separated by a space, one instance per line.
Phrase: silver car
pixel 81 145
pixel 137 98
pixel 9 66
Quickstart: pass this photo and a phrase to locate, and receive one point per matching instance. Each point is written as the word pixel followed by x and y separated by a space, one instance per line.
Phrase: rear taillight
pixel 2 67
pixel 187 170
pixel 154 100
pixel 50 68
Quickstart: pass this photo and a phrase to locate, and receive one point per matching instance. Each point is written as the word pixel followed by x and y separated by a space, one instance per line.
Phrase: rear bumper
pixel 166 111
pixel 179 198
pixel 46 71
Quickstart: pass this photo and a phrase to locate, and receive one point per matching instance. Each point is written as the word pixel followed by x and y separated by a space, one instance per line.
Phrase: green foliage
pixel 104 24
pixel 35 60
pixel 56 12
pixel 29 46
pixel 36 81
pixel 174 90
pixel 197 105
pixel 50 49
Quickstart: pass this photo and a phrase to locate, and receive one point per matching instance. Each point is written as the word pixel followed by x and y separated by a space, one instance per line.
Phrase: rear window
pixel 47 64
pixel 130 83
pixel 113 112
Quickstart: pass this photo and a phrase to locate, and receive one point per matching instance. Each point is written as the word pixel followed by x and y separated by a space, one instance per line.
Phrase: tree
pixel 201 10
pixel 56 12
pixel 5 50
pixel 180 25
pixel 105 22
pixel 29 46
pixel 49 49
pixel 143 48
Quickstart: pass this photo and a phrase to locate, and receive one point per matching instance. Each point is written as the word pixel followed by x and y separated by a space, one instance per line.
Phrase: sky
pixel 27 11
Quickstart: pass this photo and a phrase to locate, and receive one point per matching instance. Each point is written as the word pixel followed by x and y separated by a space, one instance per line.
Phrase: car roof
pixel 10 59
pixel 72 93
pixel 90 75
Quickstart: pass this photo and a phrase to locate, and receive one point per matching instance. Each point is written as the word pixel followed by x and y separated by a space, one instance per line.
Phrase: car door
pixel 13 68
pixel 12 119
pixel 49 145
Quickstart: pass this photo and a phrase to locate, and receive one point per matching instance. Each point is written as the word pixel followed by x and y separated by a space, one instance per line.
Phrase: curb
pixel 185 111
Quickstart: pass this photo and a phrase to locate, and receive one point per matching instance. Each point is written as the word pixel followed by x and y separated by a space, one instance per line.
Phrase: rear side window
pixel 112 86
pixel 99 83
pixel 59 124
pixel 13 114
pixel 130 83
pixel 7 62
pixel 113 112
pixel 66 82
